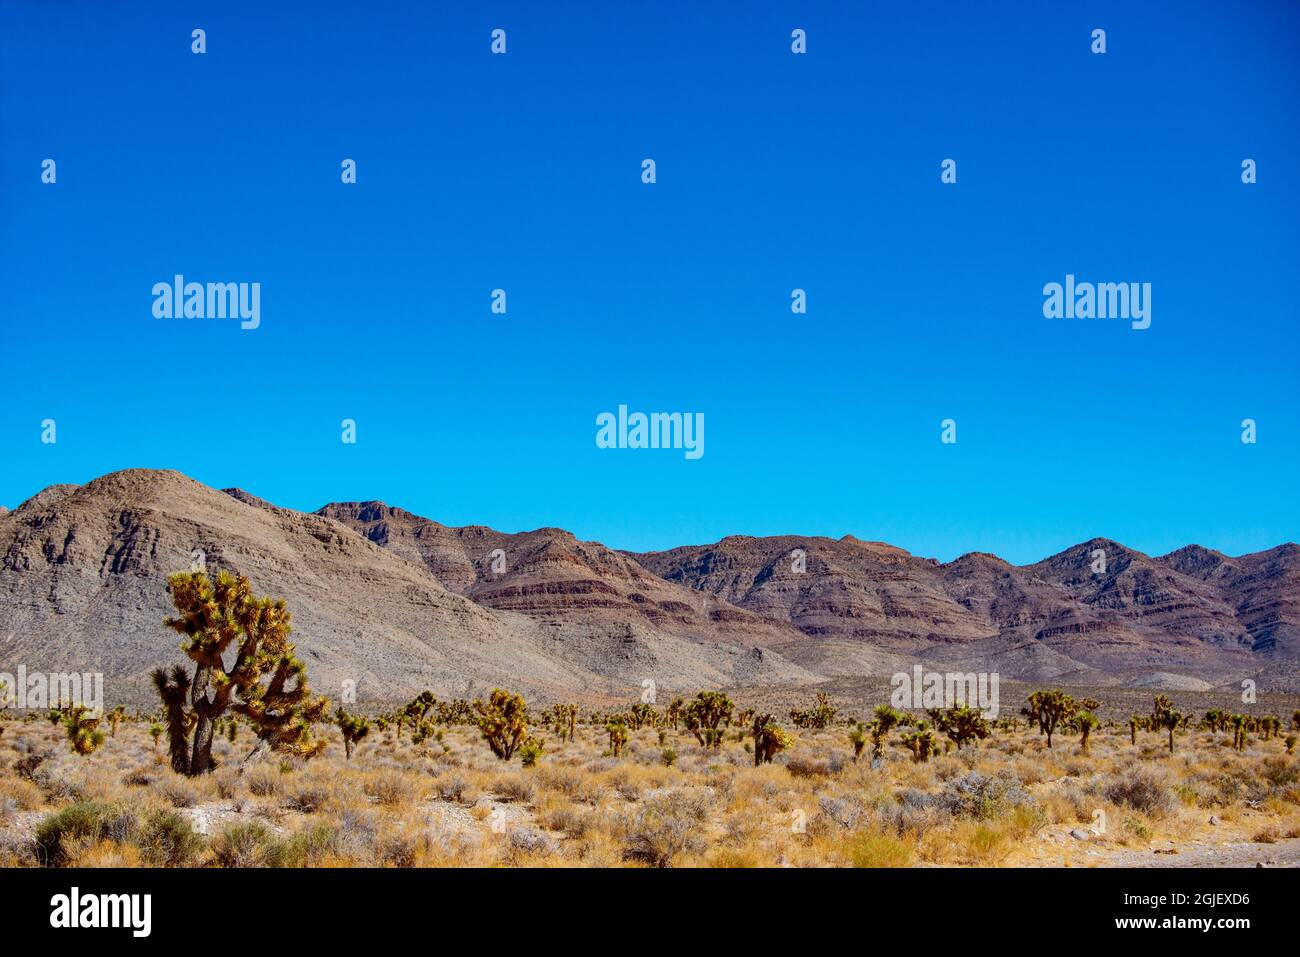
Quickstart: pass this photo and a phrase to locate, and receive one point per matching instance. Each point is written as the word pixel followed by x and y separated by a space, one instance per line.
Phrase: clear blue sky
pixel 775 171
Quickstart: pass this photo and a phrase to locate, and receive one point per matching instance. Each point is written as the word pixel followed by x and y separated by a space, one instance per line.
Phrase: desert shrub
pixel 28 761
pixel 1267 835
pixel 177 791
pixel 245 844
pixel 264 781
pixel 981 796
pixel 58 786
pixel 355 833
pixel 166 839
pixel 876 849
pixel 400 849
pixel 456 788
pixel 1279 772
pixel 1142 789
pixel 516 788
pixel 138 778
pixel 20 795
pixel 228 783
pixel 389 788
pixel 307 847
pixel 912 811
pixel 568 821
pixel 524 841
pixel 845 812
pixel 17 850
pixel 667 824
pixel 307 797
pixel 802 766
pixel 86 820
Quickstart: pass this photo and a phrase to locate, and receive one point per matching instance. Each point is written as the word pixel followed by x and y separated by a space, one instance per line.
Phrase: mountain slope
pixel 82 587
pixel 549 574
pixel 864 605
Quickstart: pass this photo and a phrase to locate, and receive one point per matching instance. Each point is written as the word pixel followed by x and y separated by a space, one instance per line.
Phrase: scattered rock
pixel 1214 819
pixel 1079 834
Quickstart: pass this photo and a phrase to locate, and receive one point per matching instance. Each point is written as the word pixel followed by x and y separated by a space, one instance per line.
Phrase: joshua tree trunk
pixel 260 750
pixel 201 756
pixel 1171 739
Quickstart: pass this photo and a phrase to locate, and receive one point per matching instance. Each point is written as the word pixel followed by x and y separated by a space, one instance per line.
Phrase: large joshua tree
pixel 1050 708
pixel 961 724
pixel 503 722
pixel 267 684
pixel 707 717
pixel 769 738
pixel 174 690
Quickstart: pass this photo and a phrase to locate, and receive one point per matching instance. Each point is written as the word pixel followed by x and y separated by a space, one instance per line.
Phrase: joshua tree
pixel 674 712
pixel 707 717
pixel 961 724
pixel 1239 732
pixel 174 689
pixel 1295 721
pixel 617 735
pixel 640 715
pixel 155 732
pixel 114 718
pixel 503 722
pixel 1163 715
pixel 216 616
pixel 885 720
pixel 1050 708
pixel 1086 722
pixel 530 751
pixel 1133 729
pixel 419 707
pixel 353 727
pixel 566 720
pixel 818 716
pixel 83 730
pixel 858 738
pixel 425 730
pixel 921 742
pixel 769 738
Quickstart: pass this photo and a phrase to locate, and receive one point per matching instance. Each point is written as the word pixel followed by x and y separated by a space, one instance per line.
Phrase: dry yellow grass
pixel 452 804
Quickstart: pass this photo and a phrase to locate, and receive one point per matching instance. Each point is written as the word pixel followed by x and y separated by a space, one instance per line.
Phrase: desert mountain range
pixel 398 603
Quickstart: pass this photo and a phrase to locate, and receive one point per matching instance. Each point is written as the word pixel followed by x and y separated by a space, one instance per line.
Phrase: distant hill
pixel 398 603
